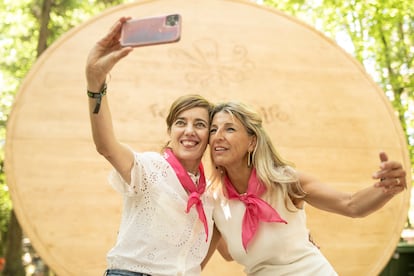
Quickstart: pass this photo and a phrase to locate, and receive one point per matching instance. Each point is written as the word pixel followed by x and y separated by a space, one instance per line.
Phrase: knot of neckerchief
pixel 256 209
pixel 195 190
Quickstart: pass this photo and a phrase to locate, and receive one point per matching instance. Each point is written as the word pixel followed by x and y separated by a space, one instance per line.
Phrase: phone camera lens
pixel 172 20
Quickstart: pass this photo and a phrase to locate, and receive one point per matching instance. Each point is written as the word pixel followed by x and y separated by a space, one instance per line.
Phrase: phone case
pixel 151 30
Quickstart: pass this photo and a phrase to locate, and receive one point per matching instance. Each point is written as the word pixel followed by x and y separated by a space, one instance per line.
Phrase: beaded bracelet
pixel 98 97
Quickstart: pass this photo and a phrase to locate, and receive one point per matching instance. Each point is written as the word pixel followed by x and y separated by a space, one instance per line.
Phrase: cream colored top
pixel 156 236
pixel 277 248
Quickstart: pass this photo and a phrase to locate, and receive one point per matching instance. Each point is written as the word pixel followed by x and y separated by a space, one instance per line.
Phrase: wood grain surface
pixel 321 108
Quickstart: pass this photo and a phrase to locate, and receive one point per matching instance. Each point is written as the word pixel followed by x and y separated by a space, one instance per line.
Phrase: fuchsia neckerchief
pixel 256 209
pixel 195 190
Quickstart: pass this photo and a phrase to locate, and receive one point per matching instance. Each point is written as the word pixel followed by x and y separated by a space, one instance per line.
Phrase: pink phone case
pixel 151 30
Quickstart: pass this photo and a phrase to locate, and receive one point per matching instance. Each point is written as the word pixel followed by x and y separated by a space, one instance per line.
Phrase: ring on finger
pixel 398 181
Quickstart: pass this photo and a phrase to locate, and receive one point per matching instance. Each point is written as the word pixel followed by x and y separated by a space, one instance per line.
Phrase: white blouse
pixel 277 248
pixel 156 235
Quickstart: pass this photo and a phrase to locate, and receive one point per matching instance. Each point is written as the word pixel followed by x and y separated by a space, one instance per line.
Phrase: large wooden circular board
pixel 321 108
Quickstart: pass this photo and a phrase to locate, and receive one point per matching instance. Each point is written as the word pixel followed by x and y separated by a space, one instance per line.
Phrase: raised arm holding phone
pixel 166 225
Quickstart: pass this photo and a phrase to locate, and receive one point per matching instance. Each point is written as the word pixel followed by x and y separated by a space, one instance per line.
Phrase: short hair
pixel 184 103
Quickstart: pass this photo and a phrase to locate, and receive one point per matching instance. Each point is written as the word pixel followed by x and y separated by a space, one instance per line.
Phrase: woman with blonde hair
pixel 259 209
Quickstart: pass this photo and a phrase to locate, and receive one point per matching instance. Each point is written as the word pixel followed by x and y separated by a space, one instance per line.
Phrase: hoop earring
pixel 249 159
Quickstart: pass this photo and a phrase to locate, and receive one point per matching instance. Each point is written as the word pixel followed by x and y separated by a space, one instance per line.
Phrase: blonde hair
pixel 271 169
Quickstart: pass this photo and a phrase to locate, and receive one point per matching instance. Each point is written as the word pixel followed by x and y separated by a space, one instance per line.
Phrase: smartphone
pixel 151 30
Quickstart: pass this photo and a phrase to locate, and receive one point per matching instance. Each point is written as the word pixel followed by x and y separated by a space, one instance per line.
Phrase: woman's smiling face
pixel 189 136
pixel 229 141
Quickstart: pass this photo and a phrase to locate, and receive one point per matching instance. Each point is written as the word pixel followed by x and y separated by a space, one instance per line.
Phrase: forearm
pixel 120 156
pixel 101 59
pixel 101 125
pixel 213 245
pixel 390 180
pixel 224 251
pixel 368 200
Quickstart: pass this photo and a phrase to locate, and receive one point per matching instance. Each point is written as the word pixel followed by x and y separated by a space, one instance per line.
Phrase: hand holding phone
pixel 151 30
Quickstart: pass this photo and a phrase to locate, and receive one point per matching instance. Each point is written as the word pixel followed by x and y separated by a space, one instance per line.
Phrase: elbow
pixel 355 212
pixel 106 146
pixel 102 150
pixel 358 214
pixel 227 258
pixel 223 250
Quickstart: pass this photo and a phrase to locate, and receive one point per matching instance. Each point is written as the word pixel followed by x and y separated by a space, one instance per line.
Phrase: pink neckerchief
pixel 256 209
pixel 195 190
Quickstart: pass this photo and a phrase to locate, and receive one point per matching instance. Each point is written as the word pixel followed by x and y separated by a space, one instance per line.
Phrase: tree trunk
pixel 44 23
pixel 14 263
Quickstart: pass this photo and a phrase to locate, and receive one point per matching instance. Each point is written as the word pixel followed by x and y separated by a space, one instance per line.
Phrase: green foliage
pixel 376 32
pixel 19 35
pixel 67 14
pixel 5 205
pixel 17 47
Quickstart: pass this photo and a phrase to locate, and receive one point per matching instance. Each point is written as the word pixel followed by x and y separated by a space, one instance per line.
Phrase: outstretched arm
pixel 390 181
pixel 101 59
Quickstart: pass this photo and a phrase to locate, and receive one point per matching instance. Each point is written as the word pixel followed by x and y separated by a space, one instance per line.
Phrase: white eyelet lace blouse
pixel 156 235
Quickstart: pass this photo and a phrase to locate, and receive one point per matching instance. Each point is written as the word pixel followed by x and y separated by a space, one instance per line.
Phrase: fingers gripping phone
pixel 151 31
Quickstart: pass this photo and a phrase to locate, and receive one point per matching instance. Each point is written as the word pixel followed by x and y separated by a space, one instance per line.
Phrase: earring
pixel 249 159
